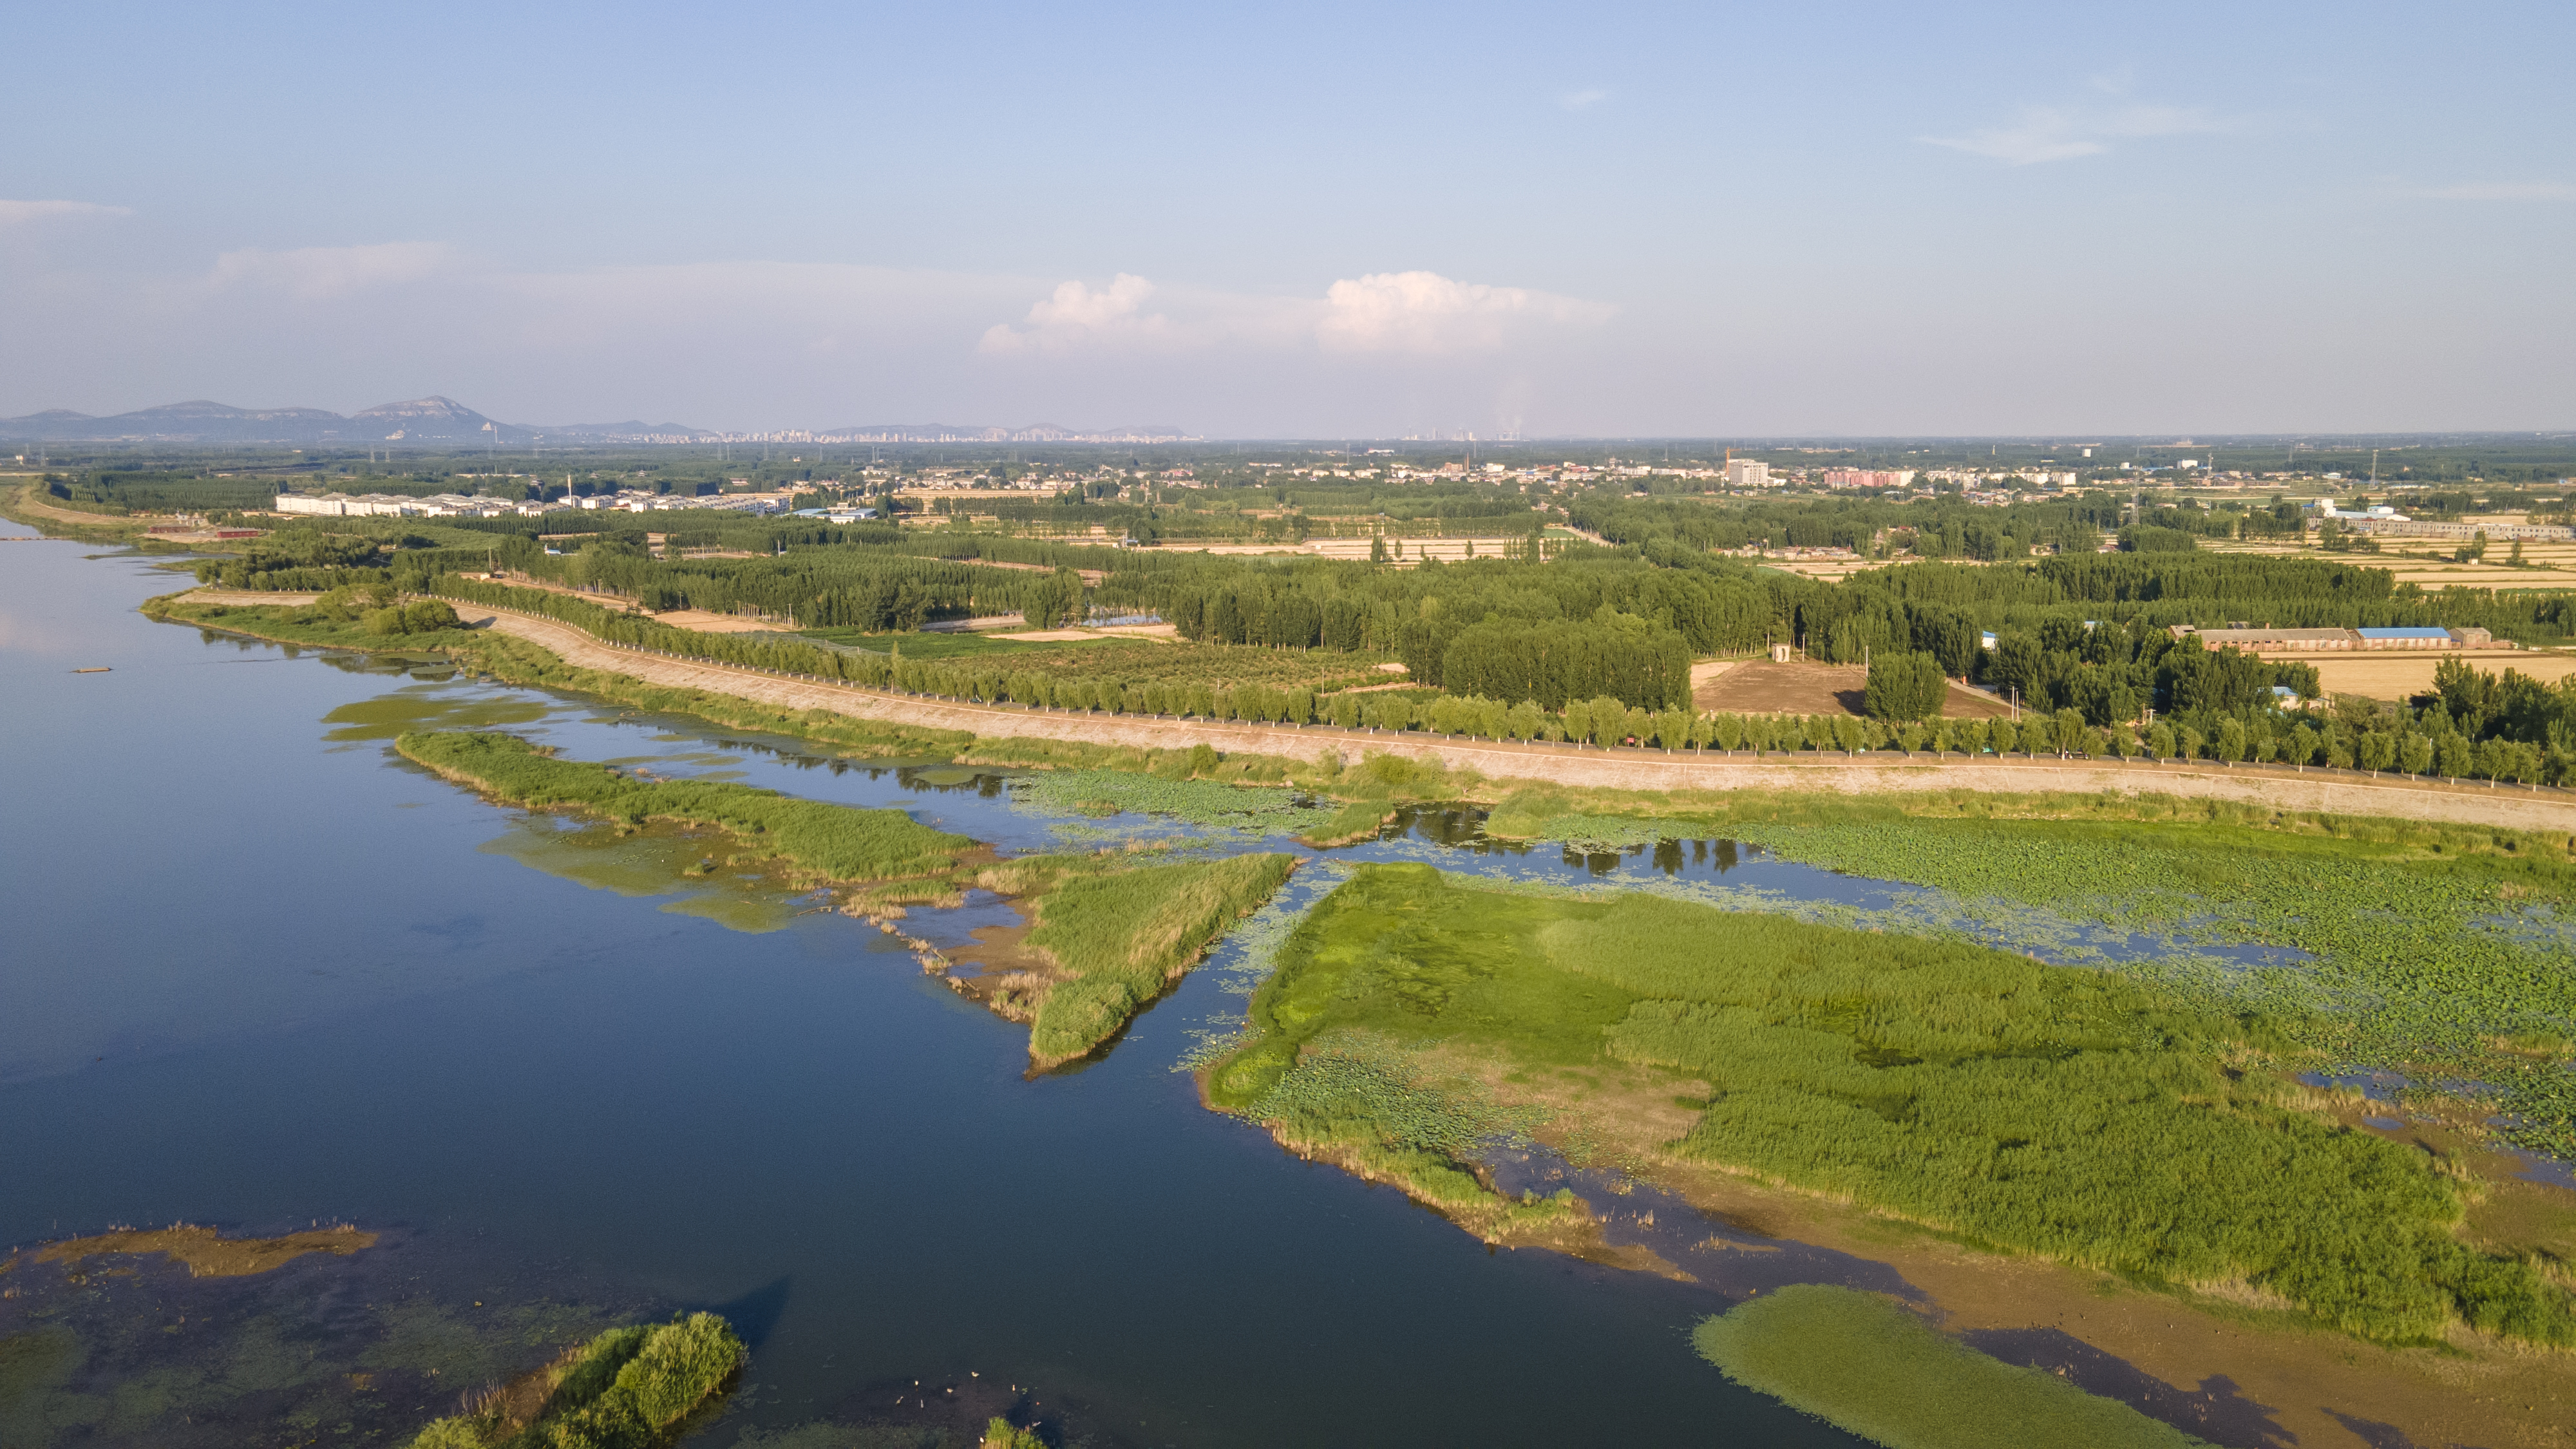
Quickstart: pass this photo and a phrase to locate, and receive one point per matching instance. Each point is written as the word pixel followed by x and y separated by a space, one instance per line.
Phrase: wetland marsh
pixel 288 973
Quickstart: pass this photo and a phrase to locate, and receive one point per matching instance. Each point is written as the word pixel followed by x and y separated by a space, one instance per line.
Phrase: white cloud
pixel 2054 133
pixel 1383 312
pixel 1582 100
pixel 1426 312
pixel 2503 191
pixel 17 213
pixel 325 273
pixel 1077 316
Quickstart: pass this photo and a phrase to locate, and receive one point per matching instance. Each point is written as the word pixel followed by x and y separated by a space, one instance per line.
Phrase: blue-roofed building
pixel 2424 637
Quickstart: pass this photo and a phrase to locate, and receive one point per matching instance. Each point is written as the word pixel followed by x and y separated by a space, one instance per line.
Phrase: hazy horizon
pixel 1868 222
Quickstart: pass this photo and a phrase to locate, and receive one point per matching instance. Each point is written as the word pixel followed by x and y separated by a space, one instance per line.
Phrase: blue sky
pixel 1303 221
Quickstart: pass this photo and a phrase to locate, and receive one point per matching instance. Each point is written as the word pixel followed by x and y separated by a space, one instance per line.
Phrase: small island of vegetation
pixel 1868 1366
pixel 628 1388
pixel 830 842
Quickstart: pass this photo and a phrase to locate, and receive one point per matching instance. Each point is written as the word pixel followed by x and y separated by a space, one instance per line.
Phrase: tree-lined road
pixel 2331 792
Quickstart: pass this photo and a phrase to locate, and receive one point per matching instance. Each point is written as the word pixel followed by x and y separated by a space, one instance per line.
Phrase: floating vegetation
pixel 2390 944
pixel 1253 952
pixel 1872 1368
pixel 2076 1114
pixel 2420 963
pixel 187 1339
pixel 694 868
pixel 203 1251
pixel 1206 804
pixel 431 708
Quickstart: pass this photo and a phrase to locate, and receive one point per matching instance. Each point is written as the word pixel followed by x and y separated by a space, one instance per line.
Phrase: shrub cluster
pixel 629 1388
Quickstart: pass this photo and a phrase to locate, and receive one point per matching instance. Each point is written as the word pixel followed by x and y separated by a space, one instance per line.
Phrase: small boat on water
pixel 95 669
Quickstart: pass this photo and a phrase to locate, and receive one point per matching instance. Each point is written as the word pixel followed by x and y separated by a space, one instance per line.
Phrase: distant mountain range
pixel 437 422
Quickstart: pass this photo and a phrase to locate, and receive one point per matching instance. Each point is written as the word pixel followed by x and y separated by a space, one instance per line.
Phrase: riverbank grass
pixel 1871 1368
pixel 629 1388
pixel 833 842
pixel 2066 1113
pixel 1111 934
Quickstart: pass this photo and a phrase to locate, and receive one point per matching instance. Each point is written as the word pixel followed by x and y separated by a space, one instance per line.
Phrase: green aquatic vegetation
pixel 1255 952
pixel 34 1368
pixel 256 1350
pixel 1357 821
pixel 2072 1113
pixel 2425 961
pixel 1365 1104
pixel 1909 910
pixel 1871 1368
pixel 2430 944
pixel 430 707
pixel 1116 935
pixel 1208 804
pixel 834 841
pixel 628 1388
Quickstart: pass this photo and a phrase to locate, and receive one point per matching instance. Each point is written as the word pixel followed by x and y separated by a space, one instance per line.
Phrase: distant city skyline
pixel 439 423
pixel 1860 221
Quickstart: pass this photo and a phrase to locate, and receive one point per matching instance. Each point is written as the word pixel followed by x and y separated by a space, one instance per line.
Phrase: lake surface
pixel 261 973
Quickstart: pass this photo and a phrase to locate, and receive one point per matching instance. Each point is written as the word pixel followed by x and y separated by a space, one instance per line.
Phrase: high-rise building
pixel 1747 473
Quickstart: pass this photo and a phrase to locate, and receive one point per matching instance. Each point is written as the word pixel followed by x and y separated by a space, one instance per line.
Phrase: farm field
pixel 2395 676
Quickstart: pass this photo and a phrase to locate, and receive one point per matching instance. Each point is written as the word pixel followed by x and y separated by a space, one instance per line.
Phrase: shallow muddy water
pixel 261 972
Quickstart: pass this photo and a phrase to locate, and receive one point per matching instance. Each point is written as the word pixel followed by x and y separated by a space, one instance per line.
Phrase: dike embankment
pixel 2336 792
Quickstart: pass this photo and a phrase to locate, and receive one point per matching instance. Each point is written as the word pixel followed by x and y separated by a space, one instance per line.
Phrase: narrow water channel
pixel 260 973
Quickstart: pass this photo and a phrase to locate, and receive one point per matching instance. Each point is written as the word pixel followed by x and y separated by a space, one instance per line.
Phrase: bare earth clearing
pixel 1762 687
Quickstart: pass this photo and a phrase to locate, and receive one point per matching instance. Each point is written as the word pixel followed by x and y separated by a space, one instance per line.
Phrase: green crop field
pixel 2067 1112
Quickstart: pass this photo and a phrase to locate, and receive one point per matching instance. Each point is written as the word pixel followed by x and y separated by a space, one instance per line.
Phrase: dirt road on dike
pixel 25 503
pixel 1625 769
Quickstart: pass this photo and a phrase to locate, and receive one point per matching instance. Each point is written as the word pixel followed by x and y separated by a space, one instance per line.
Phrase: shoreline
pixel 1980 1292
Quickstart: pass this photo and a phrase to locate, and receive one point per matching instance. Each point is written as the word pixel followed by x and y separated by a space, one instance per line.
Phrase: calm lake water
pixel 260 973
